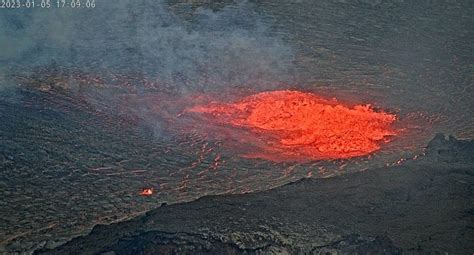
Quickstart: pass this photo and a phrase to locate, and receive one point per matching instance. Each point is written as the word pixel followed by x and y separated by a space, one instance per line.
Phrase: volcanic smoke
pixel 304 124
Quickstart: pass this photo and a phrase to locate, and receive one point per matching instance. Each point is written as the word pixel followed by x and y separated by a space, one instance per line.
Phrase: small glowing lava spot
pixel 146 192
pixel 298 124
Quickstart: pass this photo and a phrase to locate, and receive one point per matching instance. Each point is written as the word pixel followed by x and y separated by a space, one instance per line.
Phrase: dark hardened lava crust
pixel 421 206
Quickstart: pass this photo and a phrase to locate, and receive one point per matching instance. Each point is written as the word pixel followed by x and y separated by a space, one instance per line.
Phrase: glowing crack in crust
pixel 305 124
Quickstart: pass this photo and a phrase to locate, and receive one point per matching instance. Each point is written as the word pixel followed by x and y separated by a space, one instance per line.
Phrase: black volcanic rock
pixel 420 206
pixel 450 149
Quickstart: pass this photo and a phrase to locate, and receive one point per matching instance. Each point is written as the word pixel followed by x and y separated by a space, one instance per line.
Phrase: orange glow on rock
pixel 146 192
pixel 304 124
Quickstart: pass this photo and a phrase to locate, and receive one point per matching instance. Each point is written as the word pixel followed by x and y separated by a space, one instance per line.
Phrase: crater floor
pixel 422 205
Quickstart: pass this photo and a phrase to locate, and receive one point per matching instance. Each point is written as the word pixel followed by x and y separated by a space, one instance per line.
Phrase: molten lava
pixel 146 192
pixel 303 124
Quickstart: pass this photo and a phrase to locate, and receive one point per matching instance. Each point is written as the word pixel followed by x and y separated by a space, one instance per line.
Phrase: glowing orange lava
pixel 304 124
pixel 146 192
